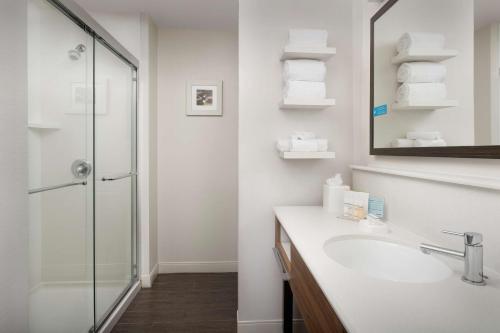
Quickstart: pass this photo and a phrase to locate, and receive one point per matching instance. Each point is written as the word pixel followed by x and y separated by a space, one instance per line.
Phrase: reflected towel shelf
pixel 323 53
pixel 425 106
pixel 299 155
pixel 424 55
pixel 306 103
pixel 44 126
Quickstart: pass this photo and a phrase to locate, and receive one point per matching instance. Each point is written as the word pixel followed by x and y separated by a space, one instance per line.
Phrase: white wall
pixel 197 156
pixel 265 180
pixel 427 206
pixel 13 173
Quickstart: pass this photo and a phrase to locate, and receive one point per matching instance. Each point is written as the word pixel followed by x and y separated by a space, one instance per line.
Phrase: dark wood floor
pixel 182 303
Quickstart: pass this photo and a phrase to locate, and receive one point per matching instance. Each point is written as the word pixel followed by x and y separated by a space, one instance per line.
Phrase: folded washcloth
pixel 420 40
pixel 430 143
pixel 402 143
pixel 302 135
pixel 304 89
pixel 420 135
pixel 304 70
pixel 421 72
pixel 307 38
pixel 421 92
pixel 309 145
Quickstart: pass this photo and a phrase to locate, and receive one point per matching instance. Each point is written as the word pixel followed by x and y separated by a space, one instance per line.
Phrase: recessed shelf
pixel 44 126
pixel 426 106
pixel 424 55
pixel 306 103
pixel 299 155
pixel 323 53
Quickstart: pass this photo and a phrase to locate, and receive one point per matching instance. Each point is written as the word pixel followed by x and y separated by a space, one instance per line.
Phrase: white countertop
pixel 369 305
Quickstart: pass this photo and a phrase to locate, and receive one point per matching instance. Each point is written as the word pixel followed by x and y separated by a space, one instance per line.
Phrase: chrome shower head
pixel 76 53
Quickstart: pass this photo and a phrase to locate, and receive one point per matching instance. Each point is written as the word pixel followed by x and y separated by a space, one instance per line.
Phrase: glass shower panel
pixel 115 179
pixel 60 127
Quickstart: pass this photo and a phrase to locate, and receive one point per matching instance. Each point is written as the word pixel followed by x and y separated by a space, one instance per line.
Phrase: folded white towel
pixel 307 38
pixel 304 89
pixel 421 72
pixel 309 145
pixel 304 70
pixel 430 143
pixel 421 92
pixel 302 135
pixel 402 143
pixel 283 145
pixel 420 40
pixel 421 135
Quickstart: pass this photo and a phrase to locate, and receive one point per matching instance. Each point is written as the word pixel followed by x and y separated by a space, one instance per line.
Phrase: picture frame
pixel 204 98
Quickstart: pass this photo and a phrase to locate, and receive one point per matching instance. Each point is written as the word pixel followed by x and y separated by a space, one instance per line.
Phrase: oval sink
pixel 386 260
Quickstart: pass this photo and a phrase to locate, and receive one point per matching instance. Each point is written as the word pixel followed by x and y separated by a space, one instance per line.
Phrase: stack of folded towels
pixel 422 82
pixel 304 78
pixel 420 139
pixel 302 142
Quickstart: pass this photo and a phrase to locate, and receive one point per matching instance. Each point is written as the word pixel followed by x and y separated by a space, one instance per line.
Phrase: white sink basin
pixel 386 260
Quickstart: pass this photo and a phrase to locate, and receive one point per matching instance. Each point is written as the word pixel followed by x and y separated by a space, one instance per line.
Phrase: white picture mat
pixel 192 88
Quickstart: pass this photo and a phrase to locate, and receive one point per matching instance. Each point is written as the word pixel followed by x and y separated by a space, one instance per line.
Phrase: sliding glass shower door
pixel 82 172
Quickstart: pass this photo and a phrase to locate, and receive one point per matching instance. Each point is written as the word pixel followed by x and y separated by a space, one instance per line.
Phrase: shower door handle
pixel 55 187
pixel 117 177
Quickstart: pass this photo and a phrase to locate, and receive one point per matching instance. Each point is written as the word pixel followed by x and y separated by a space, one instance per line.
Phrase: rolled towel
pixel 421 72
pixel 402 143
pixel 430 143
pixel 309 145
pixel 304 89
pixel 420 135
pixel 307 38
pixel 302 135
pixel 304 70
pixel 421 92
pixel 420 40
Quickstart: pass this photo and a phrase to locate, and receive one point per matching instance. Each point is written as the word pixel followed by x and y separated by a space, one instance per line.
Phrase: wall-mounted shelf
pixel 299 155
pixel 303 103
pixel 427 106
pixel 424 55
pixel 44 126
pixel 325 53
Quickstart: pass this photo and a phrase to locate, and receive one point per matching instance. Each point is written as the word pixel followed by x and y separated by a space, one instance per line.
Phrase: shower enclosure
pixel 82 169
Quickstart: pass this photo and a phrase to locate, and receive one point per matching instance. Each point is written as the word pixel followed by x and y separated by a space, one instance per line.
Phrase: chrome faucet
pixel 472 256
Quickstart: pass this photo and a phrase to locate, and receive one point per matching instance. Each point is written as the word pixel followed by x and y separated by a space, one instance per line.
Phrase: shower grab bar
pixel 55 187
pixel 110 179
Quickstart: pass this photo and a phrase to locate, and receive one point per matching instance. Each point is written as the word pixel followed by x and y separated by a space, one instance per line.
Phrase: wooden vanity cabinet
pixel 318 314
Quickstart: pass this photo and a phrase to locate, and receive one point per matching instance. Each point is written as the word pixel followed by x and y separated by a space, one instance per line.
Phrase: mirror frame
pixel 491 152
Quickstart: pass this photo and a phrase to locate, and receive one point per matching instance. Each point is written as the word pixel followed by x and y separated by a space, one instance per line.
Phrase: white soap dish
pixel 372 226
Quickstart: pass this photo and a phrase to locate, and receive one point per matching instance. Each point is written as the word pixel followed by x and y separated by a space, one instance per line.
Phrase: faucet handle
pixel 470 238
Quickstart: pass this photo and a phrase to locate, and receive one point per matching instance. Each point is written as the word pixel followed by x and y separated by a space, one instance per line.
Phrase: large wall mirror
pixel 435 78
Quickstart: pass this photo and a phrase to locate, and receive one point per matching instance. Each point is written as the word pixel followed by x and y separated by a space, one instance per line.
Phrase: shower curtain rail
pixel 55 187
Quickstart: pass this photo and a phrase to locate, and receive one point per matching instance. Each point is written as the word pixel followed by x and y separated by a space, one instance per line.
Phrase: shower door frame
pixel 80 17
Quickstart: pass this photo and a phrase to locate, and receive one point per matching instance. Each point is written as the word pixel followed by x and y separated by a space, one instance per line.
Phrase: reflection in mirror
pixel 436 74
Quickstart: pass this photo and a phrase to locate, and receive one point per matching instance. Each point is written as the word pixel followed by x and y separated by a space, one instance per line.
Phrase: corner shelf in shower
pixel 427 106
pixel 314 155
pixel 304 103
pixel 315 53
pixel 44 126
pixel 424 55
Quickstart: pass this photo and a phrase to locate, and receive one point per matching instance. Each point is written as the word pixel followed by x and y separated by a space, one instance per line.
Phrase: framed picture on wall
pixel 204 98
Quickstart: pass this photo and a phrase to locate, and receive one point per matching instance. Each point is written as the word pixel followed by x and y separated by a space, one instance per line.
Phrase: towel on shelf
pixel 402 143
pixel 283 145
pixel 421 135
pixel 307 38
pixel 421 72
pixel 430 143
pixel 304 70
pixel 420 40
pixel 302 135
pixel 304 89
pixel 309 145
pixel 421 92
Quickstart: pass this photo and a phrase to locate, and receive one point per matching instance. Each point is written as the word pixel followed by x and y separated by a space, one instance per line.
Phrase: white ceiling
pixel 486 12
pixel 194 14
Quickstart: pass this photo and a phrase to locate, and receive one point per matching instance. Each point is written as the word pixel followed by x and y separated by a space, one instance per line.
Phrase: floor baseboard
pixel 148 279
pixel 198 267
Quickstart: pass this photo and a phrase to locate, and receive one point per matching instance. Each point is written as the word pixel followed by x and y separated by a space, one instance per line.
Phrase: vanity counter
pixel 370 305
